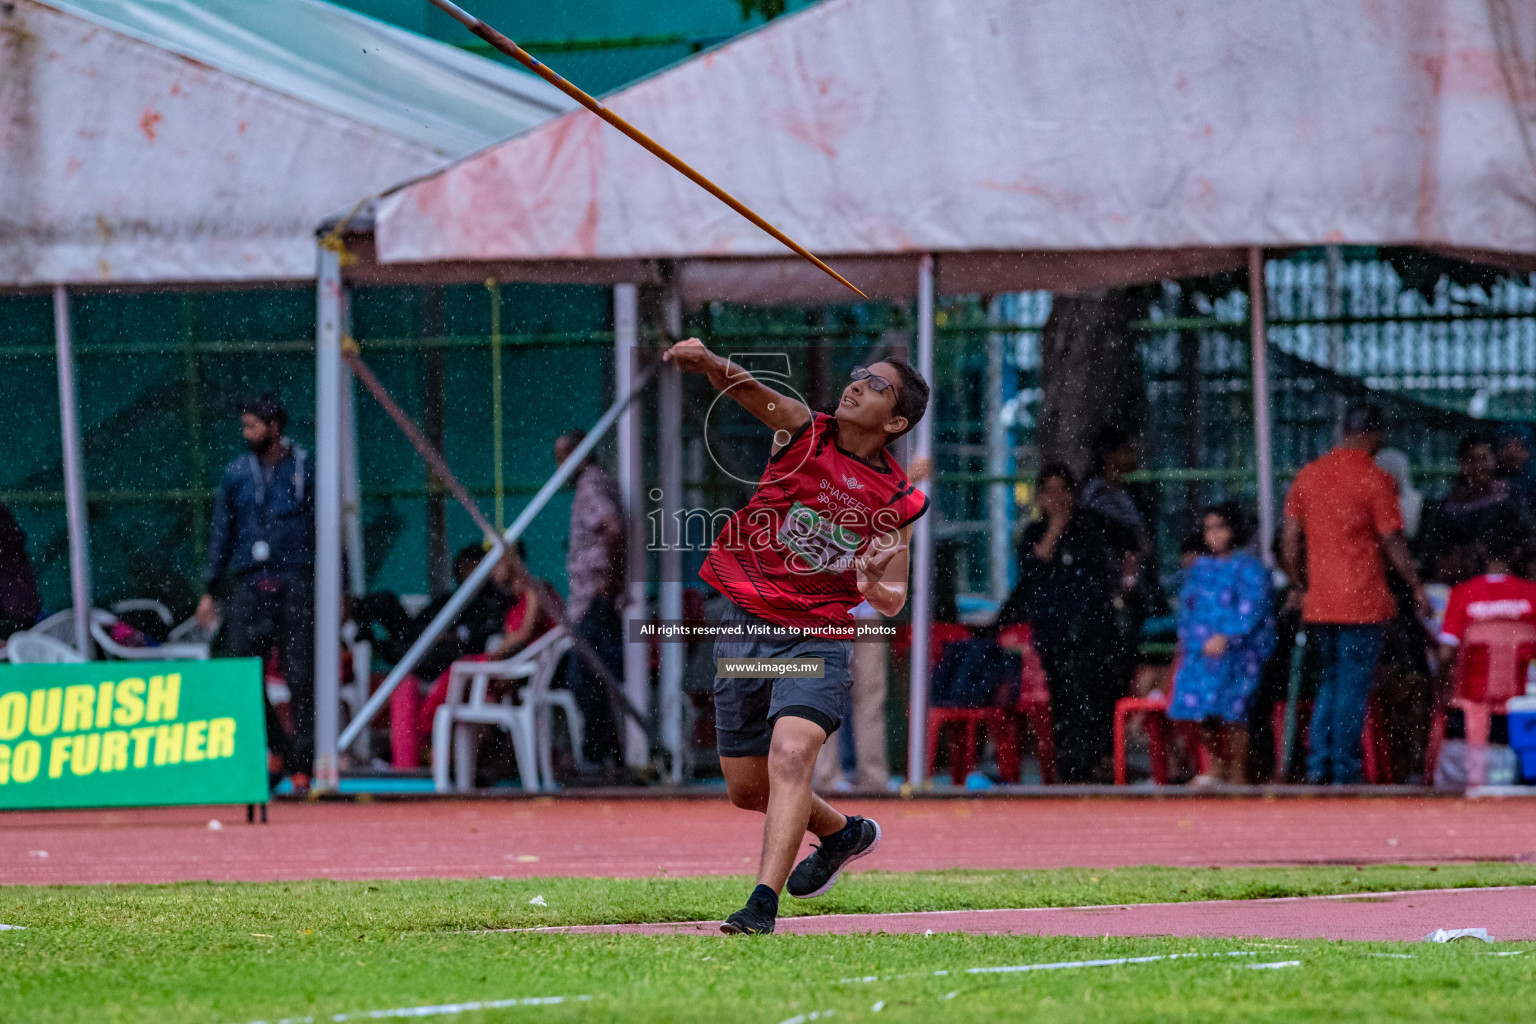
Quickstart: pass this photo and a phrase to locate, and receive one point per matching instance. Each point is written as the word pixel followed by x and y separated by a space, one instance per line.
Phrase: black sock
pixel 764 898
pixel 844 836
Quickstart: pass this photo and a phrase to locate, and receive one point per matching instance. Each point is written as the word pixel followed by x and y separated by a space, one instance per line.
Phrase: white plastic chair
pixel 354 695
pixel 143 604
pixel 101 632
pixel 193 632
pixel 468 705
pixel 61 625
pixel 29 648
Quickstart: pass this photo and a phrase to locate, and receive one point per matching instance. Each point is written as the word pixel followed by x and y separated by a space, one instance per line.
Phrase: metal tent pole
pixel 74 475
pixel 921 587
pixel 328 522
pixel 631 432
pixel 1261 406
pixel 351 472
pixel 471 586
pixel 998 438
pixel 670 439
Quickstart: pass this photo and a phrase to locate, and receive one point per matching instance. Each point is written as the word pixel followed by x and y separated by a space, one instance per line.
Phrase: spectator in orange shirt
pixel 1347 508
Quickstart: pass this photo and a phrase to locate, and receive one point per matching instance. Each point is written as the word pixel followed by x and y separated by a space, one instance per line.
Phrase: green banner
pixel 132 734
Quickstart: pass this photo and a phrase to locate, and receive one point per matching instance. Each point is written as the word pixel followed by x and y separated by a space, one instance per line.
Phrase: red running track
pixel 697 836
pixel 1508 913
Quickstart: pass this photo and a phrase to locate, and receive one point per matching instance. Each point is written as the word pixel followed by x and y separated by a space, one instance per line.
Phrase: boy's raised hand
pixel 690 356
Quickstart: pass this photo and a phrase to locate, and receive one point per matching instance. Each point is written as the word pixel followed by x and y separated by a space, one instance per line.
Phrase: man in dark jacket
pixel 262 540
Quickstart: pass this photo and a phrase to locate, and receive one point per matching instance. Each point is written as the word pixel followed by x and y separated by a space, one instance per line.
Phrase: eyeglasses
pixel 876 381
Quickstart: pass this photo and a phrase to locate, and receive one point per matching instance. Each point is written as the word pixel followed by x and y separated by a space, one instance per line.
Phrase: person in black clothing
pixel 382 618
pixel 1071 576
pixel 262 542
pixel 1480 506
pixel 20 604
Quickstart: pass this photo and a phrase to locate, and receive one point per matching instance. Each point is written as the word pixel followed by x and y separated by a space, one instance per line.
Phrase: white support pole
pixel 921 587
pixel 670 438
pixel 74 474
pixel 351 473
pixel 999 438
pixel 328 471
pixel 631 432
pixel 1261 410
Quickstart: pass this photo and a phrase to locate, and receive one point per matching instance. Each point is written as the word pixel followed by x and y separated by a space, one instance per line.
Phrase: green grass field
pixel 245 952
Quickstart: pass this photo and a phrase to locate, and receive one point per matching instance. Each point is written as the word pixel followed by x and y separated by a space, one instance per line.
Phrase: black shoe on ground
pixel 818 873
pixel 749 920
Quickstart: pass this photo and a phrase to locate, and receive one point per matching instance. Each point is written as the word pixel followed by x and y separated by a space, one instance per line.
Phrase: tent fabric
pixel 156 141
pixel 885 128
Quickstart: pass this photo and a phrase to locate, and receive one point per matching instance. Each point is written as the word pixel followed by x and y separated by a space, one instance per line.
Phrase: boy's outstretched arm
pixel 779 412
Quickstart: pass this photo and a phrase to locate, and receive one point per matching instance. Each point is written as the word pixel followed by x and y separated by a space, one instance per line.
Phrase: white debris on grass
pixel 1453 934
pixel 806 1018
pixel 13 927
pixel 538 901
pixel 1273 966
pixel 877 1007
pixel 441 1010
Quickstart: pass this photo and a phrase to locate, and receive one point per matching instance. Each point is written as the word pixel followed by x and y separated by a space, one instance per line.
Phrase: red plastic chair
pixel 1034 706
pixel 1158 727
pixel 1505 649
pixel 1375 761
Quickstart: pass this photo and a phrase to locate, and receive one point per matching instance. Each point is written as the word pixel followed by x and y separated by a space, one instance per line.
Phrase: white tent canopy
pixel 195 142
pixel 158 141
pixel 1055 143
pixel 994 145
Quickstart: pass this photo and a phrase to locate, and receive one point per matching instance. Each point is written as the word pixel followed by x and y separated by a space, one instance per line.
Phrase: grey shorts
pixel 745 709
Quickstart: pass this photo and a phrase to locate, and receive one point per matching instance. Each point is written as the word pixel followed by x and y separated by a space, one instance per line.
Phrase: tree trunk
pixel 1090 373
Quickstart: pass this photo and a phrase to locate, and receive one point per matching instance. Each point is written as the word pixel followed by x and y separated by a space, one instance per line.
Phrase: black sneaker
pixel 749 920
pixel 818 873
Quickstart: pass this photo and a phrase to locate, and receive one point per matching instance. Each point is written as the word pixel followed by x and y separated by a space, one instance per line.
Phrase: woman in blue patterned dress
pixel 1226 632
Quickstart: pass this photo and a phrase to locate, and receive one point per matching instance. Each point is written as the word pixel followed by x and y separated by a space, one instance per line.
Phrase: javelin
pixel 532 63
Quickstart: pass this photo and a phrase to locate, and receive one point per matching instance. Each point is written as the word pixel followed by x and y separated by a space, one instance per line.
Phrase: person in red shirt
pixel 1346 507
pixel 1496 595
pixel 826 529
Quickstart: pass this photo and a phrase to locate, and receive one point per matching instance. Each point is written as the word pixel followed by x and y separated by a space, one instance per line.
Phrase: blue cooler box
pixel 1522 733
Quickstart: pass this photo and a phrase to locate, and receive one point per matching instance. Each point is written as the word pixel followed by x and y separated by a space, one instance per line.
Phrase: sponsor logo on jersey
pixel 1509 608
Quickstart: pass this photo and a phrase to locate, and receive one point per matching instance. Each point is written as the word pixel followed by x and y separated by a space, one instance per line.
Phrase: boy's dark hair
pixel 1056 471
pixel 911 395
pixel 1193 543
pixel 266 407
pixel 1236 519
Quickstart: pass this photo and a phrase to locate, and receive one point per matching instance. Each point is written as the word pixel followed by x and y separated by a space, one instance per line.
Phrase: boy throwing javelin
pixel 826 529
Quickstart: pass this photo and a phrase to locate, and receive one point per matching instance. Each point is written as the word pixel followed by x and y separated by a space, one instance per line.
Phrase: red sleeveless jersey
pixel 787 556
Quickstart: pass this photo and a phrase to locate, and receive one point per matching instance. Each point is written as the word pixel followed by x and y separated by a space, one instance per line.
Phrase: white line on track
pixel 440 1010
pixel 1061 965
